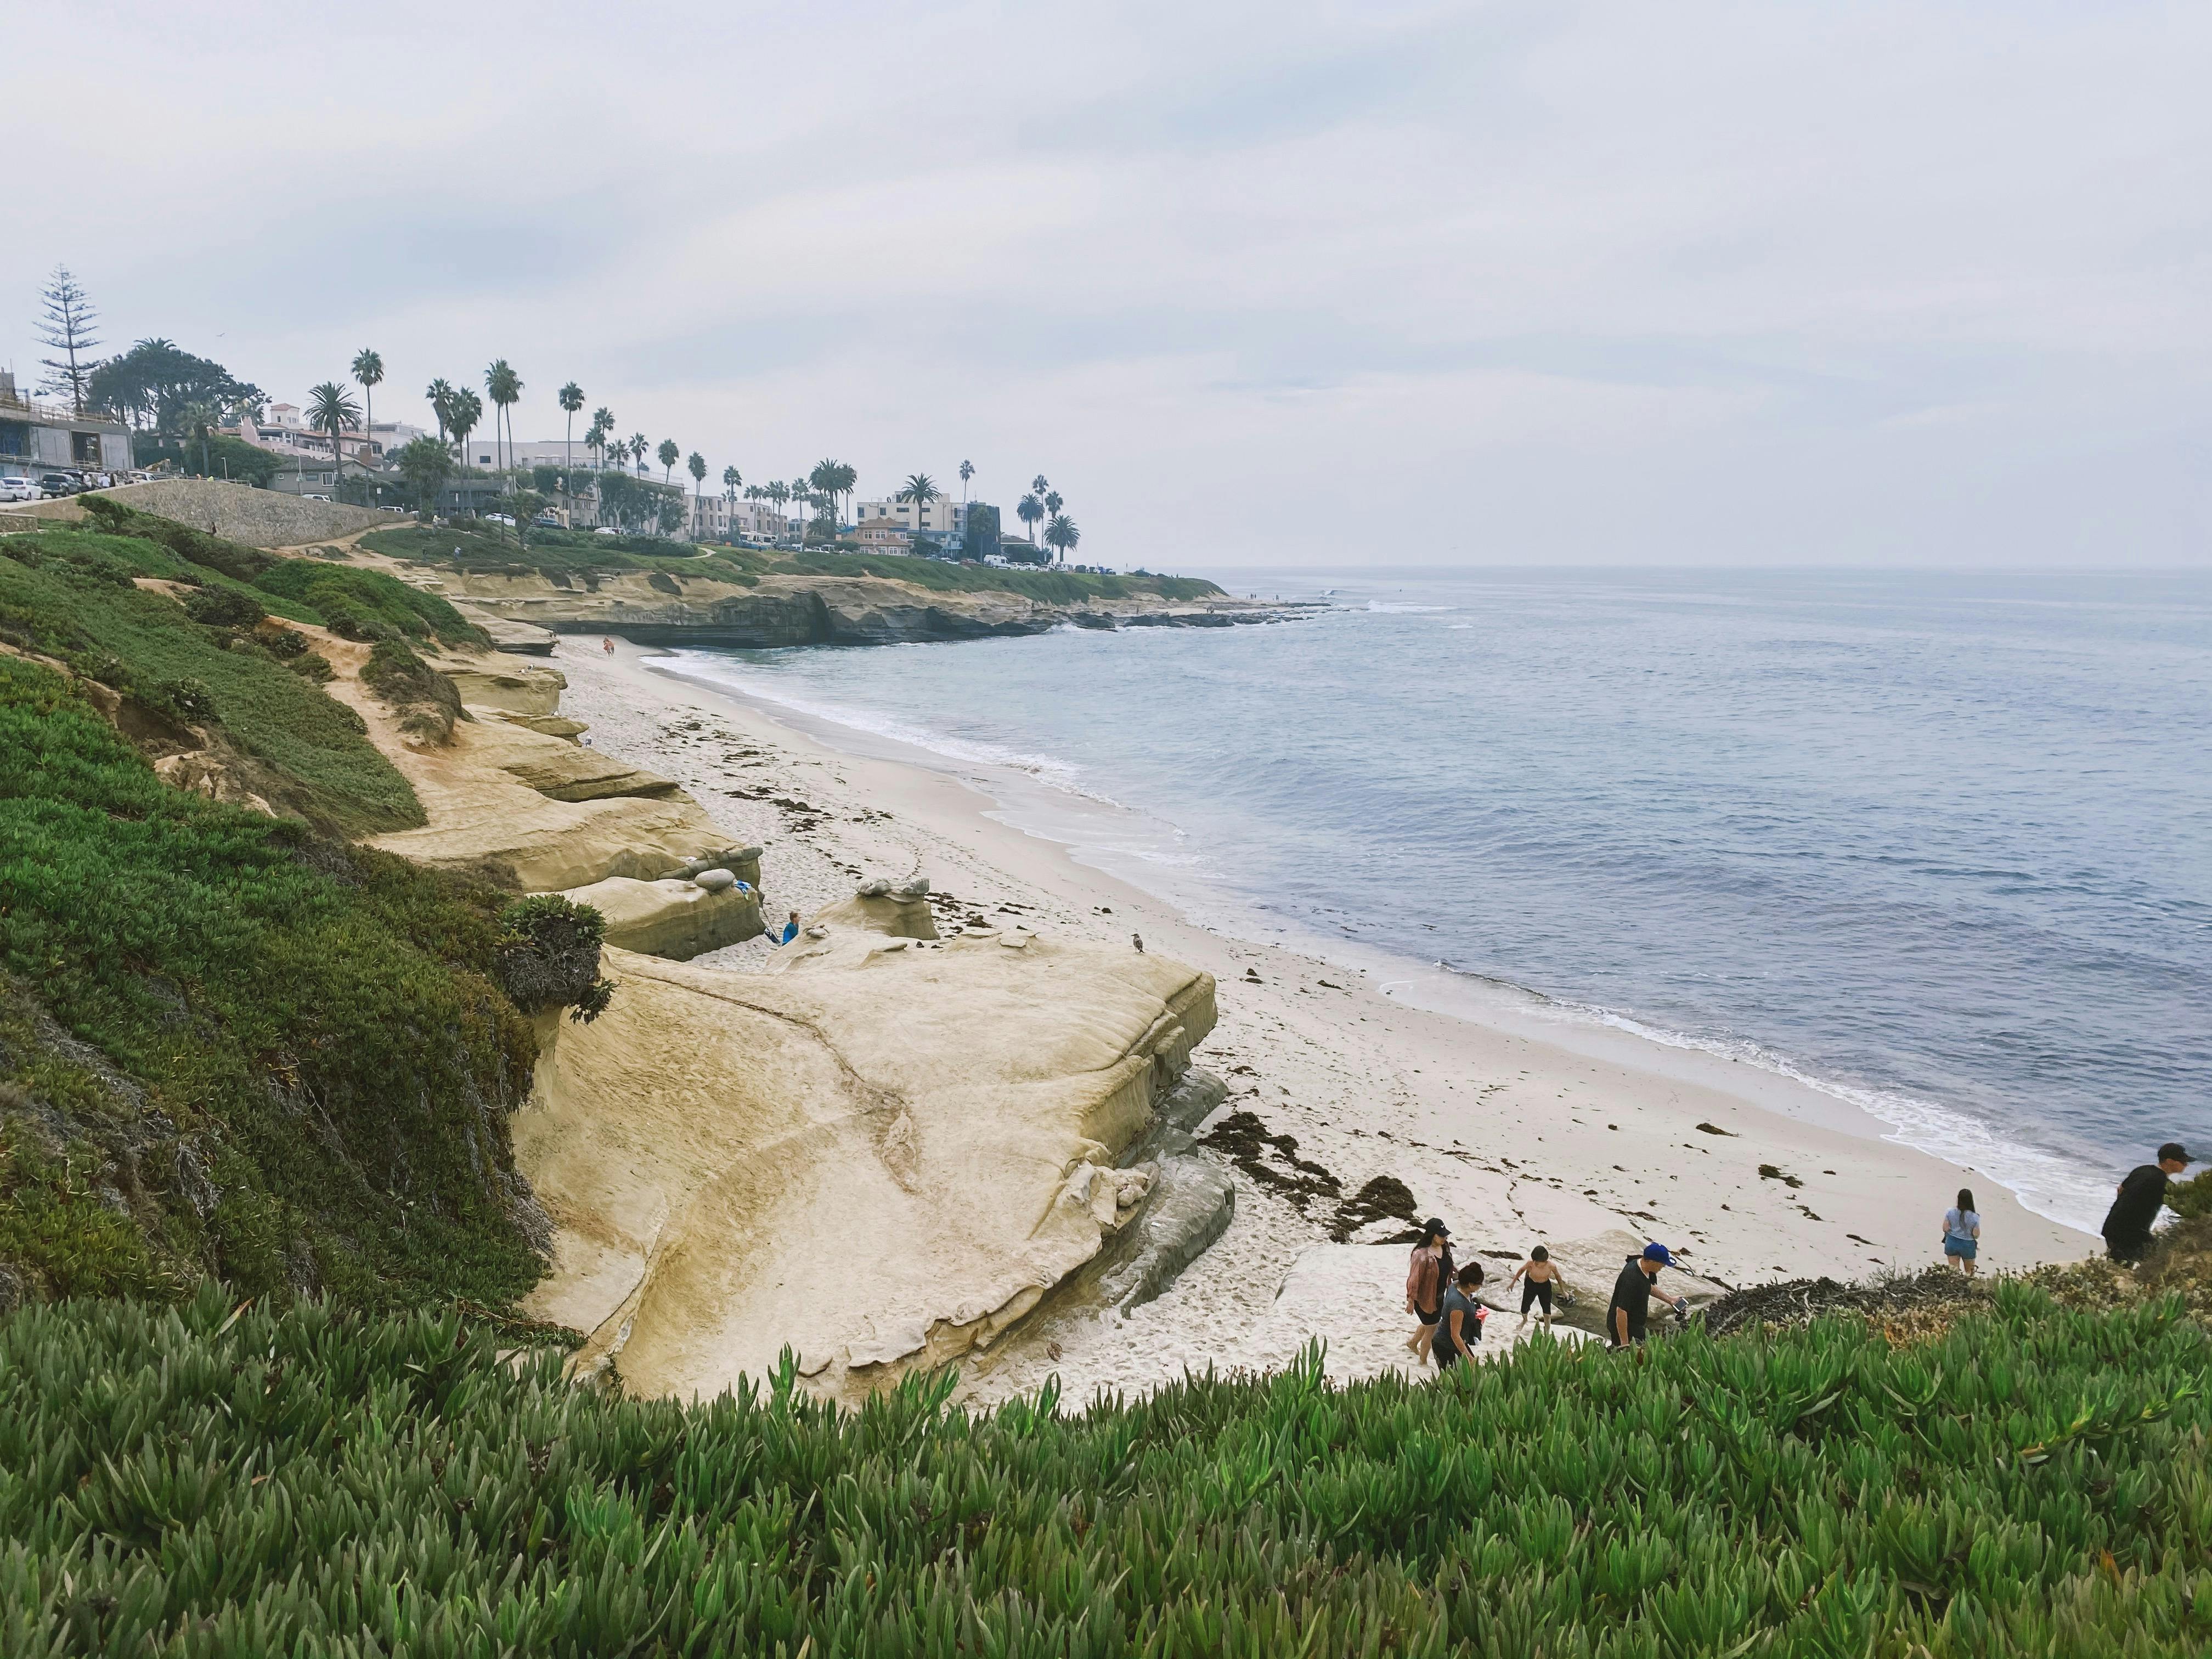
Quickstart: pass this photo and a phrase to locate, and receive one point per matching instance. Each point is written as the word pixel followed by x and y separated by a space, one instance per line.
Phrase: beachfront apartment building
pixel 39 437
pixel 883 535
pixel 725 518
pixel 541 452
pixel 940 519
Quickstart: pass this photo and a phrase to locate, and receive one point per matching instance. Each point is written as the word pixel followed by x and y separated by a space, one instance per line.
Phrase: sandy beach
pixel 1515 1128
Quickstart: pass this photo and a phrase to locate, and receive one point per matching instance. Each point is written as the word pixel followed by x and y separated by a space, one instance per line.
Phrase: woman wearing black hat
pixel 1426 1280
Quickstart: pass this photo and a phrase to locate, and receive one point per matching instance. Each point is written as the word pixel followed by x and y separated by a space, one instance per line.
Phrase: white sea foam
pixel 2057 1189
pixel 1392 608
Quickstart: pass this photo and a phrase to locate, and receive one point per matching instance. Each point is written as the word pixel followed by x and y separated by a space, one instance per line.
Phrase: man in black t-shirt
pixel 1625 1317
pixel 2127 1223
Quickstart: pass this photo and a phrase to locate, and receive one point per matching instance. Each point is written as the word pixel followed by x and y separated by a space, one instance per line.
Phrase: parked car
pixel 52 484
pixel 606 529
pixel 498 518
pixel 19 489
pixel 550 520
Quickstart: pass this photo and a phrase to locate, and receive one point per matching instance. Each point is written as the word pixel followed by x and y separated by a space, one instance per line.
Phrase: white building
pixel 722 519
pixel 939 518
pixel 552 452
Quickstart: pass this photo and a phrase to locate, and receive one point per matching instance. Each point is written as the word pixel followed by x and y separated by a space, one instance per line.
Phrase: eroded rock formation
pixel 883 1153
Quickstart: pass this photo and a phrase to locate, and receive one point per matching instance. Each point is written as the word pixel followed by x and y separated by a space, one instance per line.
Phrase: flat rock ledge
pixel 884 1153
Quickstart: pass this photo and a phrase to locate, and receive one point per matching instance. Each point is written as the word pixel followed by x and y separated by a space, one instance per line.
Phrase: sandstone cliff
pixel 883 1156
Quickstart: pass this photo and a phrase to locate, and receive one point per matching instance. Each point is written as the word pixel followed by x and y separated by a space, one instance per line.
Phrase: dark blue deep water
pixel 1942 844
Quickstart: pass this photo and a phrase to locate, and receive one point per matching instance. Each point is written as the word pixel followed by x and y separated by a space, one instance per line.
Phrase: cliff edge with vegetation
pixel 663 593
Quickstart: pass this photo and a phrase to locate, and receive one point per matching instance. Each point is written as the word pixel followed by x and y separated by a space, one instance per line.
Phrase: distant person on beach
pixel 2129 1221
pixel 1625 1317
pixel 790 929
pixel 1539 1277
pixel 1459 1322
pixel 1426 1279
pixel 1962 1232
pixel 607 645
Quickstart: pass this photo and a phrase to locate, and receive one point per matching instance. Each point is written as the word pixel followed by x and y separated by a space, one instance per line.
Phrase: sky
pixel 1274 284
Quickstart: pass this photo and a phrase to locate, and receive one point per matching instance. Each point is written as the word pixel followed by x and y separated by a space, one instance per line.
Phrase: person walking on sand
pixel 1427 1277
pixel 606 645
pixel 1540 1278
pixel 1459 1320
pixel 790 929
pixel 2127 1223
pixel 1962 1232
pixel 1626 1315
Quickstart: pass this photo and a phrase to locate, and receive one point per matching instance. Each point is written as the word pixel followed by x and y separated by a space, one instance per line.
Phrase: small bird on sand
pixel 1138 940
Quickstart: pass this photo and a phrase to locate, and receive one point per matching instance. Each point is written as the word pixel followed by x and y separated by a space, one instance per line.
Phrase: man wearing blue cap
pixel 1631 1297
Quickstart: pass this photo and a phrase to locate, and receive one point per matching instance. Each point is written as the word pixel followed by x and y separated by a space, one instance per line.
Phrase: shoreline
pixel 1516 1127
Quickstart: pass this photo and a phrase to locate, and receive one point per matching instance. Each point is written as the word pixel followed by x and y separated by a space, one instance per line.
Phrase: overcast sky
pixel 1275 283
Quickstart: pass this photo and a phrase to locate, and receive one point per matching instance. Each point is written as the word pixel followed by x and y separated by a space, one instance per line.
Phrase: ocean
pixel 1940 845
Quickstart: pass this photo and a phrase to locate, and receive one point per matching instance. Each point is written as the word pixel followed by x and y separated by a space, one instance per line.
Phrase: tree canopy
pixel 151 383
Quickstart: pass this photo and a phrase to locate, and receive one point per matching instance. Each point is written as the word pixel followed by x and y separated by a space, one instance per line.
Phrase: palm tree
pixel 697 466
pixel 504 387
pixel 572 399
pixel 1029 510
pixel 1052 503
pixel 669 453
pixel 440 392
pixel 1062 534
pixel 730 479
pixel 331 409
pixel 604 418
pixel 467 409
pixel 921 489
pixel 1038 486
pixel 368 369
pixel 967 472
pixel 640 448
pixel 193 419
pixel 595 442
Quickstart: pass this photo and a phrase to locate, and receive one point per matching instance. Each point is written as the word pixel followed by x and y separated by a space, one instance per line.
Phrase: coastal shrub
pixel 368 604
pixel 223 607
pixel 197 547
pixel 426 701
pixel 2191 1198
pixel 307 751
pixel 549 955
pixel 282 643
pixel 213 1478
pixel 278 1058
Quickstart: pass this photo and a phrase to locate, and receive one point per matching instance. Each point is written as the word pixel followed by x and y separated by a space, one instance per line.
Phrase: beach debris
pixel 1138 940
pixel 1769 1172
pixel 1252 976
pixel 1714 1129
pixel 1245 1141
pixel 1384 1198
pixel 1934 1297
